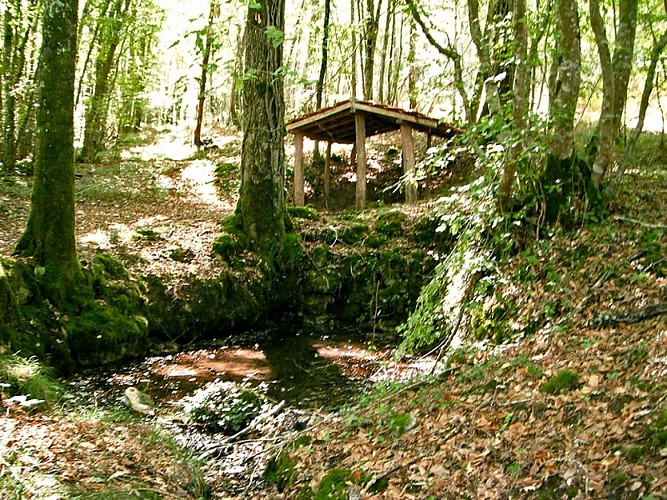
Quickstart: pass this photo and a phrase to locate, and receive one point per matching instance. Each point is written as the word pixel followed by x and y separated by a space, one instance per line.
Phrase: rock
pixel 139 401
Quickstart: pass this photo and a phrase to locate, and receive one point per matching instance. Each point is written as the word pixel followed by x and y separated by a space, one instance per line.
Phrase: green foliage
pixel 27 377
pixel 225 407
pixel 281 467
pixel 564 380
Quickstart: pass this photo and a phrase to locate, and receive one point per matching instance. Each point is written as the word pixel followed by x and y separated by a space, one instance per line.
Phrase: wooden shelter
pixel 350 122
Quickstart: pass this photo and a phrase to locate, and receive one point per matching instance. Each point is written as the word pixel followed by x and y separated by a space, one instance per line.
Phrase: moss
pixel 292 250
pixel 226 247
pixel 353 234
pixel 29 377
pixel 563 381
pixel 334 485
pixel 299 212
pixel 390 223
pixel 375 241
pixel 281 468
pixel 100 334
pixel 634 454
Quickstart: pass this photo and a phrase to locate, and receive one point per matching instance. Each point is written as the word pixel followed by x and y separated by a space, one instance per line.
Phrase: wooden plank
pixel 318 117
pixel 299 197
pixel 360 125
pixel 408 162
pixel 397 115
pixel 327 172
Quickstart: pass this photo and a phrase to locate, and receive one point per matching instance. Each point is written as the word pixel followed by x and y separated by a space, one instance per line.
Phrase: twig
pixel 641 223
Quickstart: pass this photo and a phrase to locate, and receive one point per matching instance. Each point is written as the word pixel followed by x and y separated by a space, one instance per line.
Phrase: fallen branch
pixel 648 312
pixel 641 223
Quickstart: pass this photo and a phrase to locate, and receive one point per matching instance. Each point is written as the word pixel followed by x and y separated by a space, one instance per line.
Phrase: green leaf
pixel 276 36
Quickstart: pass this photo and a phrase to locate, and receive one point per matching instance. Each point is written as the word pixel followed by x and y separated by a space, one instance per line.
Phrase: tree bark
pixel 261 210
pixel 98 107
pixel 484 56
pixel 623 55
pixel 49 236
pixel 208 42
pixel 521 93
pixel 656 52
pixel 607 133
pixel 9 101
pixel 561 163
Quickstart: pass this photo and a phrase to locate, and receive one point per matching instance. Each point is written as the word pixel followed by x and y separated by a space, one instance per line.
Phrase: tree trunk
pixel 208 41
pixel 484 56
pixel 656 52
pixel 98 107
pixel 451 53
pixel 557 181
pixel 9 104
pixel 353 79
pixel 412 71
pixel 261 210
pixel 234 116
pixel 521 93
pixel 622 60
pixel 370 42
pixel 49 236
pixel 383 54
pixel 606 133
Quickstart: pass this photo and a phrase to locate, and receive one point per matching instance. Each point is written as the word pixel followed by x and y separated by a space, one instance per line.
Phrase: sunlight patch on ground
pixel 198 176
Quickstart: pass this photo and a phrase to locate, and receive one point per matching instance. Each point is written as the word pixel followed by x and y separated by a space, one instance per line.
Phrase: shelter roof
pixel 336 123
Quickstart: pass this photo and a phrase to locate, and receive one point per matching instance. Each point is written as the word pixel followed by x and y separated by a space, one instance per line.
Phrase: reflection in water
pixel 305 372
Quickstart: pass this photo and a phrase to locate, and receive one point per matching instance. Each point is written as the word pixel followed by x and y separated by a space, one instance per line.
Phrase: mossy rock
pixel 336 484
pixel 565 380
pixel 100 334
pixel 226 408
pixel 390 223
pixel 353 234
pixel 299 212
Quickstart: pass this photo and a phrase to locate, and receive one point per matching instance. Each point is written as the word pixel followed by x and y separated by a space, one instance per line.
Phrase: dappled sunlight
pixel 198 177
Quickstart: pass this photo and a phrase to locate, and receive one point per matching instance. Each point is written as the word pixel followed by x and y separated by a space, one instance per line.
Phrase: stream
pixel 305 378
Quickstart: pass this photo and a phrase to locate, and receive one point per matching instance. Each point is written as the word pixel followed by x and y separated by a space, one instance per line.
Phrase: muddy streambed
pixel 306 380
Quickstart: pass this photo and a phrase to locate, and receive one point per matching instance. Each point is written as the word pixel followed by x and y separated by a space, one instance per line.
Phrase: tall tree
pixel 563 96
pixel 98 107
pixel 261 210
pixel 205 45
pixel 49 235
pixel 520 99
pixel 615 78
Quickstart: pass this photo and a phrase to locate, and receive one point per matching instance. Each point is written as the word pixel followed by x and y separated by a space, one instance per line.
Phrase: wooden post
pixel 360 127
pixel 427 189
pixel 327 172
pixel 408 162
pixel 299 197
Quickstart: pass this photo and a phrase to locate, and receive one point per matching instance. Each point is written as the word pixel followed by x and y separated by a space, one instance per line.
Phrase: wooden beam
pixel 360 126
pixel 327 172
pixel 423 121
pixel 341 108
pixel 408 162
pixel 299 197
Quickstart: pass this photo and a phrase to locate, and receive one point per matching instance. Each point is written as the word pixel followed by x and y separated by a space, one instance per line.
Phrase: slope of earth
pixel 146 204
pixel 574 407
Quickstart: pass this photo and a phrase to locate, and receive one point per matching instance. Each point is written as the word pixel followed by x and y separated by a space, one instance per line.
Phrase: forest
pixel 316 249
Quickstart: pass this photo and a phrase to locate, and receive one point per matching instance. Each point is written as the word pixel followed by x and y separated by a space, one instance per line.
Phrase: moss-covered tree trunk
pixel 560 173
pixel 49 236
pixel 261 210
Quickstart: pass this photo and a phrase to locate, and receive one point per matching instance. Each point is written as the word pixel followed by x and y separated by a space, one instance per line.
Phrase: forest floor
pixel 488 427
